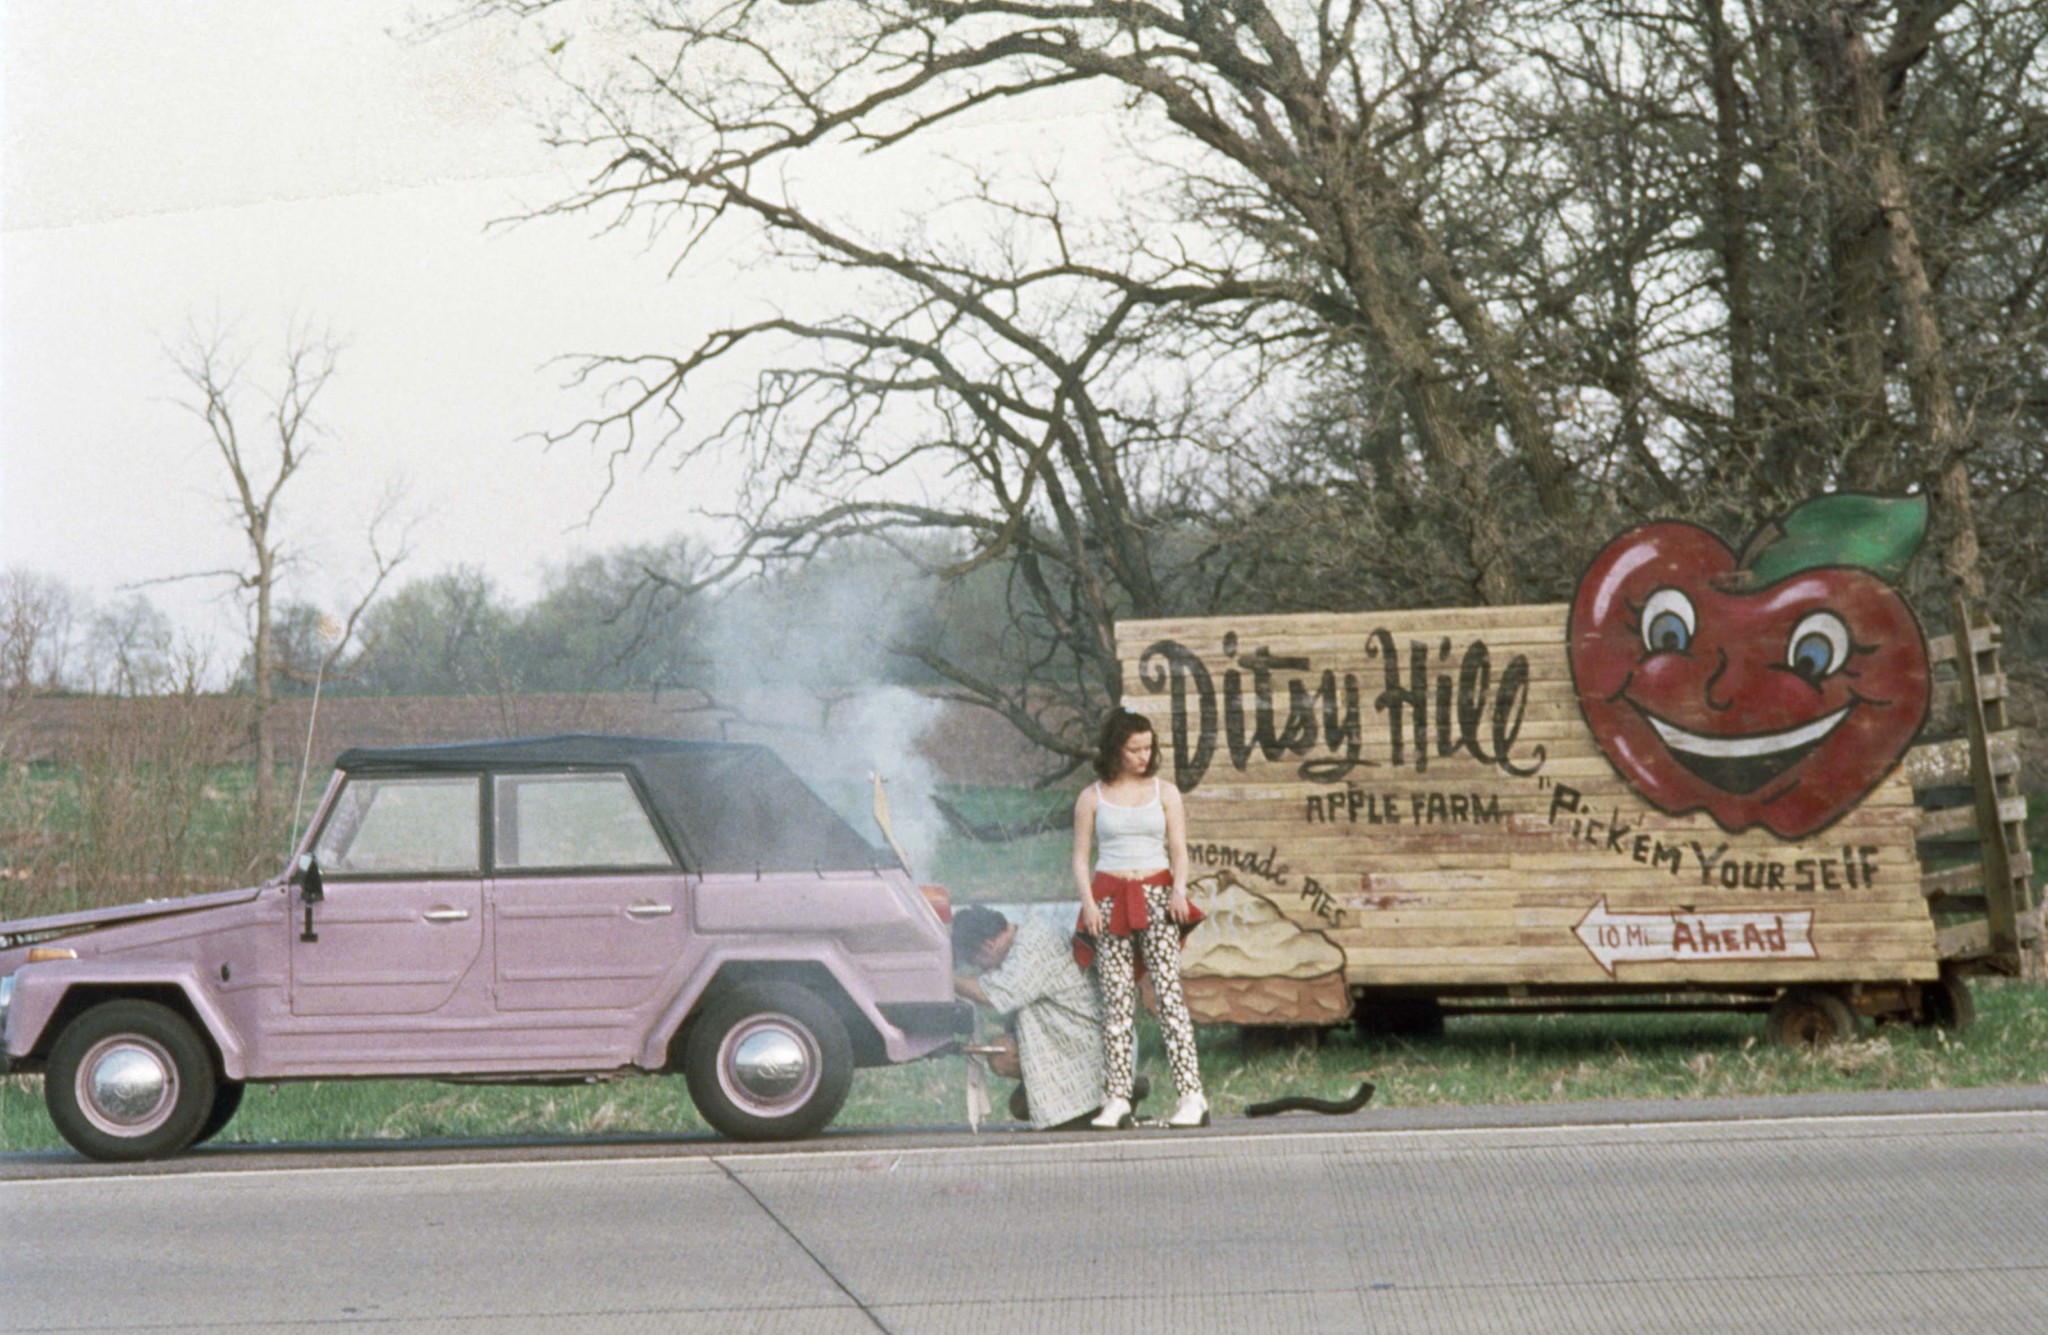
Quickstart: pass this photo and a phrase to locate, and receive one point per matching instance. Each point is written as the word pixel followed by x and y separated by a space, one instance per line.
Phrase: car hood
pixel 23 931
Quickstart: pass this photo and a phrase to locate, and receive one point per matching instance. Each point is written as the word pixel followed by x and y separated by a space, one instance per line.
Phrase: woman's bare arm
pixel 1084 849
pixel 1176 849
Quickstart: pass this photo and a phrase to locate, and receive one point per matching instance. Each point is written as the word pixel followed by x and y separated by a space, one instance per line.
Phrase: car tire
pixel 227 1100
pixel 129 1080
pixel 1810 1018
pixel 768 1061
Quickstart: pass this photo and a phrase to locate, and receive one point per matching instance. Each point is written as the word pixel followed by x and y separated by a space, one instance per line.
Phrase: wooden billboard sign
pixel 1688 778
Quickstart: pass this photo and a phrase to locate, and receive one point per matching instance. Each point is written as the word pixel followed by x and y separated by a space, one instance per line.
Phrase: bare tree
pixel 133 648
pixel 259 468
pixel 35 637
pixel 1390 297
pixel 1058 392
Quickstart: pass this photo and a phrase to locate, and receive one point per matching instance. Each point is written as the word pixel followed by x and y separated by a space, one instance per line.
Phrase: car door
pixel 399 932
pixel 589 908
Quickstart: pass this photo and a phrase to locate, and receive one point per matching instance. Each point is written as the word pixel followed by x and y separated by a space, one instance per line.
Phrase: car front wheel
pixel 768 1061
pixel 227 1100
pixel 129 1080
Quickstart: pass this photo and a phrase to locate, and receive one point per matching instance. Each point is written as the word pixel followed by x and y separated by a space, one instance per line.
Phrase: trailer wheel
pixel 1399 1017
pixel 1810 1017
pixel 1947 1004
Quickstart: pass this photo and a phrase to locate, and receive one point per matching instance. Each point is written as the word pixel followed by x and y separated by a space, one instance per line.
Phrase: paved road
pixel 1897 1217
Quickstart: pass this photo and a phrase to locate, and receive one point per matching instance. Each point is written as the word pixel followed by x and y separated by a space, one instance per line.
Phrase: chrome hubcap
pixel 127 1085
pixel 769 1065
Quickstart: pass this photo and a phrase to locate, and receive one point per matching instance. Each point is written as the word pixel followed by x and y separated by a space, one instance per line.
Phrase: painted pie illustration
pixel 1247 936
pixel 1776 688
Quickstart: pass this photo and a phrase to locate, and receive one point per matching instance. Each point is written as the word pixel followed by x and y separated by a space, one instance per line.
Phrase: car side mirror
pixel 312 889
pixel 306 876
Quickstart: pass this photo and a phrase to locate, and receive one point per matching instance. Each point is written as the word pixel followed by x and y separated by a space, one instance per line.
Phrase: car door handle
pixel 446 915
pixel 650 910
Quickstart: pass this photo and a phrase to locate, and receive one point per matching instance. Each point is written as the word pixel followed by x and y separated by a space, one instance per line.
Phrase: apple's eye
pixel 1819 645
pixel 1668 622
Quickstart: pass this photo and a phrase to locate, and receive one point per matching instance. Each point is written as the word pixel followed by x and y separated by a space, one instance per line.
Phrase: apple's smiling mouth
pixel 1745 763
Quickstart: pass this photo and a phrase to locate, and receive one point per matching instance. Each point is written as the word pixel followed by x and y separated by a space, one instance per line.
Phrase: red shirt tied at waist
pixel 1122 901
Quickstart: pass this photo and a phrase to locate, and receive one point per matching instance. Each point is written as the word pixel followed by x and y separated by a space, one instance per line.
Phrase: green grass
pixel 1035 867
pixel 1479 1060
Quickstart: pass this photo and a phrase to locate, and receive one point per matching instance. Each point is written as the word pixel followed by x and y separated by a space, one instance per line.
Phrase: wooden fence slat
pixel 1963 820
pixel 1942 648
pixel 1949 694
pixel 1947 764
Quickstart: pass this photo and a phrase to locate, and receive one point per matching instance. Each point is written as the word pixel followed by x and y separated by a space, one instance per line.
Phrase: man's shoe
pixel 1141 1089
pixel 1115 1116
pixel 1192 1110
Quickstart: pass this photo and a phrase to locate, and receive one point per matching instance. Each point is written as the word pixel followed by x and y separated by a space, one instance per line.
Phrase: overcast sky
pixel 248 162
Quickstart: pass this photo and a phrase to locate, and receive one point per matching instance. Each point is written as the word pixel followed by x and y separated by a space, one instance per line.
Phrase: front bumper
pixel 6 1000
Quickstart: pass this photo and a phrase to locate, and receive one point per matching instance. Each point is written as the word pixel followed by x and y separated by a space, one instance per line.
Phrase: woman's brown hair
pixel 1118 728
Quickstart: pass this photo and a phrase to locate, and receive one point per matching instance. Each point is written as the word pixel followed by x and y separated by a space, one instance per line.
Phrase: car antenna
pixel 331 631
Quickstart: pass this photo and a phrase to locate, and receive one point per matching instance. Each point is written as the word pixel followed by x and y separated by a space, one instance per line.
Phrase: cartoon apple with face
pixel 1773 690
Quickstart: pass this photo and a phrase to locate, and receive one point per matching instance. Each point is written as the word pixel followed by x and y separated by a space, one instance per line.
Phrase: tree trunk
pixel 1846 62
pixel 1731 223
pixel 261 725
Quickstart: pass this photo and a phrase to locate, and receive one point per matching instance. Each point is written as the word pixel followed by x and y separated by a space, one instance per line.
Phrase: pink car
pixel 558 908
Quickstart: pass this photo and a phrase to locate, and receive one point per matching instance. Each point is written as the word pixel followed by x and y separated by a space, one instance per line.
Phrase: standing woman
pixel 1138 831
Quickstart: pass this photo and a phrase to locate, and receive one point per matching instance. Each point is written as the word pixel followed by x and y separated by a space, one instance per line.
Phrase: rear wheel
pixel 1810 1017
pixel 768 1061
pixel 129 1080
pixel 1947 1004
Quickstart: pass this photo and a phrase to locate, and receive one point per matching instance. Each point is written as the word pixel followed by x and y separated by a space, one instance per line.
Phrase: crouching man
pixel 1026 970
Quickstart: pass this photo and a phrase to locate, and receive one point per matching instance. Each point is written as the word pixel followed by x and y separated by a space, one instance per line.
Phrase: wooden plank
pixel 1409 810
pixel 1560 916
pixel 1942 648
pixel 1947 764
pixel 1990 686
pixel 1774 973
pixel 1443 620
pixel 1968 940
pixel 1963 819
pixel 1951 880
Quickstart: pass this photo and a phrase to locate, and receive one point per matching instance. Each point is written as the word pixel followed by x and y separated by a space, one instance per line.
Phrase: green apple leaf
pixel 1875 533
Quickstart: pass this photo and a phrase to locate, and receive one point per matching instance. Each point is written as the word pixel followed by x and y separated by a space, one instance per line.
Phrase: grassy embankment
pixel 1479 1060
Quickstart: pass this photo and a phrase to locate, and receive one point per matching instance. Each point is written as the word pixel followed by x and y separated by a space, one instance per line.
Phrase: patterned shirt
pixel 1059 1022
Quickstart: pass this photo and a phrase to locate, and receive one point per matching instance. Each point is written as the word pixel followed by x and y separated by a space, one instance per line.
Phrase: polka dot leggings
pixel 1114 967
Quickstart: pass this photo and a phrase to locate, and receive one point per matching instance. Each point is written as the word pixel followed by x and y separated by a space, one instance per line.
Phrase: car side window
pixel 389 827
pixel 591 822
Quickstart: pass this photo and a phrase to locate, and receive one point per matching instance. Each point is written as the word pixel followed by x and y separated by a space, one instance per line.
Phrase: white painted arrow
pixel 1665 938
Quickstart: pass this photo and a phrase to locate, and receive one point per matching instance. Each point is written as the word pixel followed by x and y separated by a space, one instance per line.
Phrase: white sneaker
pixel 1192 1110
pixel 1115 1116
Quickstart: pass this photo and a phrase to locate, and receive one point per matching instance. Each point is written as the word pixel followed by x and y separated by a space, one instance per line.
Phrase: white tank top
pixel 1130 838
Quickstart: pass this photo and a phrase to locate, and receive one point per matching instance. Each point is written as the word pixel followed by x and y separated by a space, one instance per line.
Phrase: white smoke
pixel 800 666
pixel 877 732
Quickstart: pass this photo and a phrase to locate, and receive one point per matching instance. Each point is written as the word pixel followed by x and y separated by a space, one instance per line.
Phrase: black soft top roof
pixel 729 808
